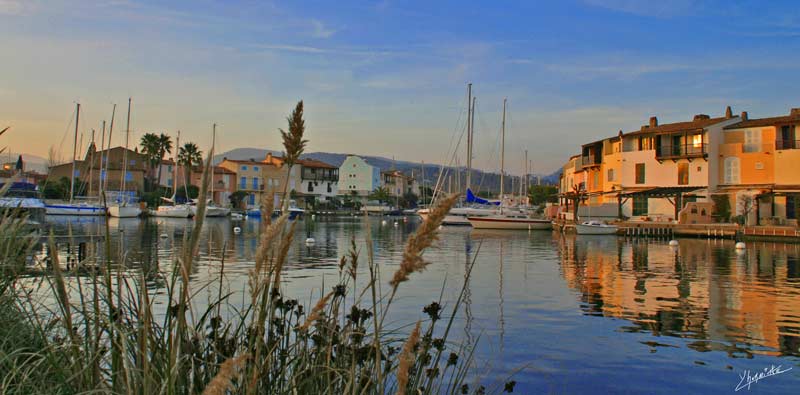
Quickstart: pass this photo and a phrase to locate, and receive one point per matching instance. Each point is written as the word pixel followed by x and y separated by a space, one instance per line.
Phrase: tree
pixel 293 144
pixel 164 147
pixel 540 194
pixel 747 205
pixel 237 198
pixel 189 156
pixel 380 194
pixel 409 200
pixel 151 148
pixel 722 207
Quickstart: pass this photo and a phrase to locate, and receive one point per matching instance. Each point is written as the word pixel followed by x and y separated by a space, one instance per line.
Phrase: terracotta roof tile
pixel 772 121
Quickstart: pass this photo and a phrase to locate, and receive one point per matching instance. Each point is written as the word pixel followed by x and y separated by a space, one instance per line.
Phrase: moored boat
pixel 595 228
pixel 123 210
pixel 174 211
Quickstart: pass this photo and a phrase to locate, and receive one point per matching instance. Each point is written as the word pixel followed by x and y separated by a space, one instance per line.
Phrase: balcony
pixel 320 175
pixel 787 144
pixel 591 160
pixel 681 151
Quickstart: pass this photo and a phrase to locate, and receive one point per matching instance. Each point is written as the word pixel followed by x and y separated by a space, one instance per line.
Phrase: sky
pixel 389 78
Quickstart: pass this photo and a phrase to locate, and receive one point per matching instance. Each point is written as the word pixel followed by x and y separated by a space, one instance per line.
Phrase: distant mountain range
pixel 481 180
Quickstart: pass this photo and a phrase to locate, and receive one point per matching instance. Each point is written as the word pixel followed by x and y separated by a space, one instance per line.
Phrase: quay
pixel 648 229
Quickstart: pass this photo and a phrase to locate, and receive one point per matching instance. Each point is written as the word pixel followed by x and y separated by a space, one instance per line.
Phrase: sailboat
pixel 478 207
pixel 173 210
pixel 212 208
pixel 72 207
pixel 123 208
pixel 513 220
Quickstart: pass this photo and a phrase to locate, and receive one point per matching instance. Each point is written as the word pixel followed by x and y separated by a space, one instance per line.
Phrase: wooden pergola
pixel 673 195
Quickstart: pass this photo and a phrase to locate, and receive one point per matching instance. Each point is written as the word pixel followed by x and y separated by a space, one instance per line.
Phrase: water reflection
pixel 739 303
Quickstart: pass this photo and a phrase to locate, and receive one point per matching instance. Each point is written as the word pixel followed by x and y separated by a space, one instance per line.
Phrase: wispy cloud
pixel 14 7
pixel 319 30
pixel 661 9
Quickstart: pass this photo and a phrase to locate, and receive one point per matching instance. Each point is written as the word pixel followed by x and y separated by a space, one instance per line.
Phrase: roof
pixel 679 126
pixel 395 173
pixel 315 163
pixel 772 121
pixel 217 170
pixel 661 191
pixel 254 162
pixel 600 141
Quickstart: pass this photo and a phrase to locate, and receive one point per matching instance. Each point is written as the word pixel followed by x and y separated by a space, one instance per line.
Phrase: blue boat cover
pixel 471 198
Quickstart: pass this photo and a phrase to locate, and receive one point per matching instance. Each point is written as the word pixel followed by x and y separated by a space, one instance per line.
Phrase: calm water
pixel 563 314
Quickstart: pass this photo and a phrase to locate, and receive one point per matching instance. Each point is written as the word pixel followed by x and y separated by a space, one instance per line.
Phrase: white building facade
pixel 357 177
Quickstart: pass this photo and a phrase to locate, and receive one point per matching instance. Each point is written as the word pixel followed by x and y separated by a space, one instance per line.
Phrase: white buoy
pixel 313 216
pixel 405 219
pixel 740 246
pixel 237 230
pixel 310 241
pixel 673 243
pixel 396 223
pixel 383 222
pixel 164 236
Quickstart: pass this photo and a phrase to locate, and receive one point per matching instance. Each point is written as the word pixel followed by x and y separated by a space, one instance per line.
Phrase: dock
pixel 657 229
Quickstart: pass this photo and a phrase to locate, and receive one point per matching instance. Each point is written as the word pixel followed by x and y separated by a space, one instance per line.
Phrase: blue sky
pixel 389 78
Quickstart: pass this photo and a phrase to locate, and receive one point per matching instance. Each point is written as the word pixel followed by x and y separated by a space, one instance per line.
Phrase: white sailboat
pixel 212 208
pixel 596 228
pixel 72 207
pixel 123 208
pixel 514 220
pixel 173 210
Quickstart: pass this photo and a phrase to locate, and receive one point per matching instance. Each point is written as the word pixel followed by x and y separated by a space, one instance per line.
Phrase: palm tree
pixel 189 156
pixel 151 148
pixel 164 147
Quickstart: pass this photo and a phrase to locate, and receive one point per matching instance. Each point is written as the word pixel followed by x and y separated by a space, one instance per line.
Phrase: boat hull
pixel 509 223
pixel 173 212
pixel 582 229
pixel 213 211
pixel 74 209
pixel 124 211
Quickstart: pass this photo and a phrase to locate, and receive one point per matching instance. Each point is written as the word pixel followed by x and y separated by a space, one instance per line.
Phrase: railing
pixel 320 176
pixel 681 150
pixel 787 144
pixel 591 160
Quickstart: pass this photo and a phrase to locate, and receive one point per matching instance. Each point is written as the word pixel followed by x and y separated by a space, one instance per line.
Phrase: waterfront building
pixel 90 166
pixel 224 184
pixel 397 183
pixel 248 178
pixel 664 166
pixel 312 181
pixel 601 164
pixel 758 172
pixel 358 178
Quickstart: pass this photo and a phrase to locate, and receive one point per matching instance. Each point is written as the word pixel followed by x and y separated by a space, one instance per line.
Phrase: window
pixel 596 180
pixel 102 174
pixel 252 199
pixel 133 162
pixel 275 182
pixel 255 168
pixel 640 173
pixel 752 140
pixel 610 174
pixel 697 141
pixel 243 183
pixel 639 205
pixel 683 174
pixel 310 187
pixel 329 188
pixel 169 182
pixel 255 182
pixel 244 168
pixel 77 173
pixel 128 176
pixel 731 170
pixel 169 168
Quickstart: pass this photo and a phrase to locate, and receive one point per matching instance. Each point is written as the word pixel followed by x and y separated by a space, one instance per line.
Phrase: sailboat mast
pixel 469 135
pixel 213 143
pixel 108 154
pixel 503 152
pixel 91 166
pixel 175 169
pixel 125 153
pixel 102 173
pixel 74 153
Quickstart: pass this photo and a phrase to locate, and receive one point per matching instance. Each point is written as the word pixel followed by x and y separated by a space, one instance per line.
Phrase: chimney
pixel 794 112
pixel 653 122
pixel 744 115
pixel 728 112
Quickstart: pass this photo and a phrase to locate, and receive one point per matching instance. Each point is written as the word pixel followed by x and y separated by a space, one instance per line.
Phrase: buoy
pixel 310 240
pixel 164 236
pixel 396 223
pixel 673 243
pixel 405 219
pixel 383 222
pixel 740 246
pixel 313 216
pixel 237 230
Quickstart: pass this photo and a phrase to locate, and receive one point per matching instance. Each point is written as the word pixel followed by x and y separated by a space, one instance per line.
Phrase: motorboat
pixel 596 228
pixel 80 208
pixel 123 210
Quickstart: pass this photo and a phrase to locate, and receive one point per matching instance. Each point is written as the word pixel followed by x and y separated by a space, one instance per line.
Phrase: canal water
pixel 555 313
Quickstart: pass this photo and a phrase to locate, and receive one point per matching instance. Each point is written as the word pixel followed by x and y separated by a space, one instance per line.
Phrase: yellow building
pixel 601 162
pixel 759 159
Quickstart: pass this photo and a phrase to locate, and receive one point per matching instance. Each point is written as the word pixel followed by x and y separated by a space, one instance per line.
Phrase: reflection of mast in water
pixel 468 293
pixel 502 321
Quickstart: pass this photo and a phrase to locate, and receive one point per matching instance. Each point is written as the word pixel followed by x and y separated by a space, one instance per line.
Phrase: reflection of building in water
pixel 700 289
